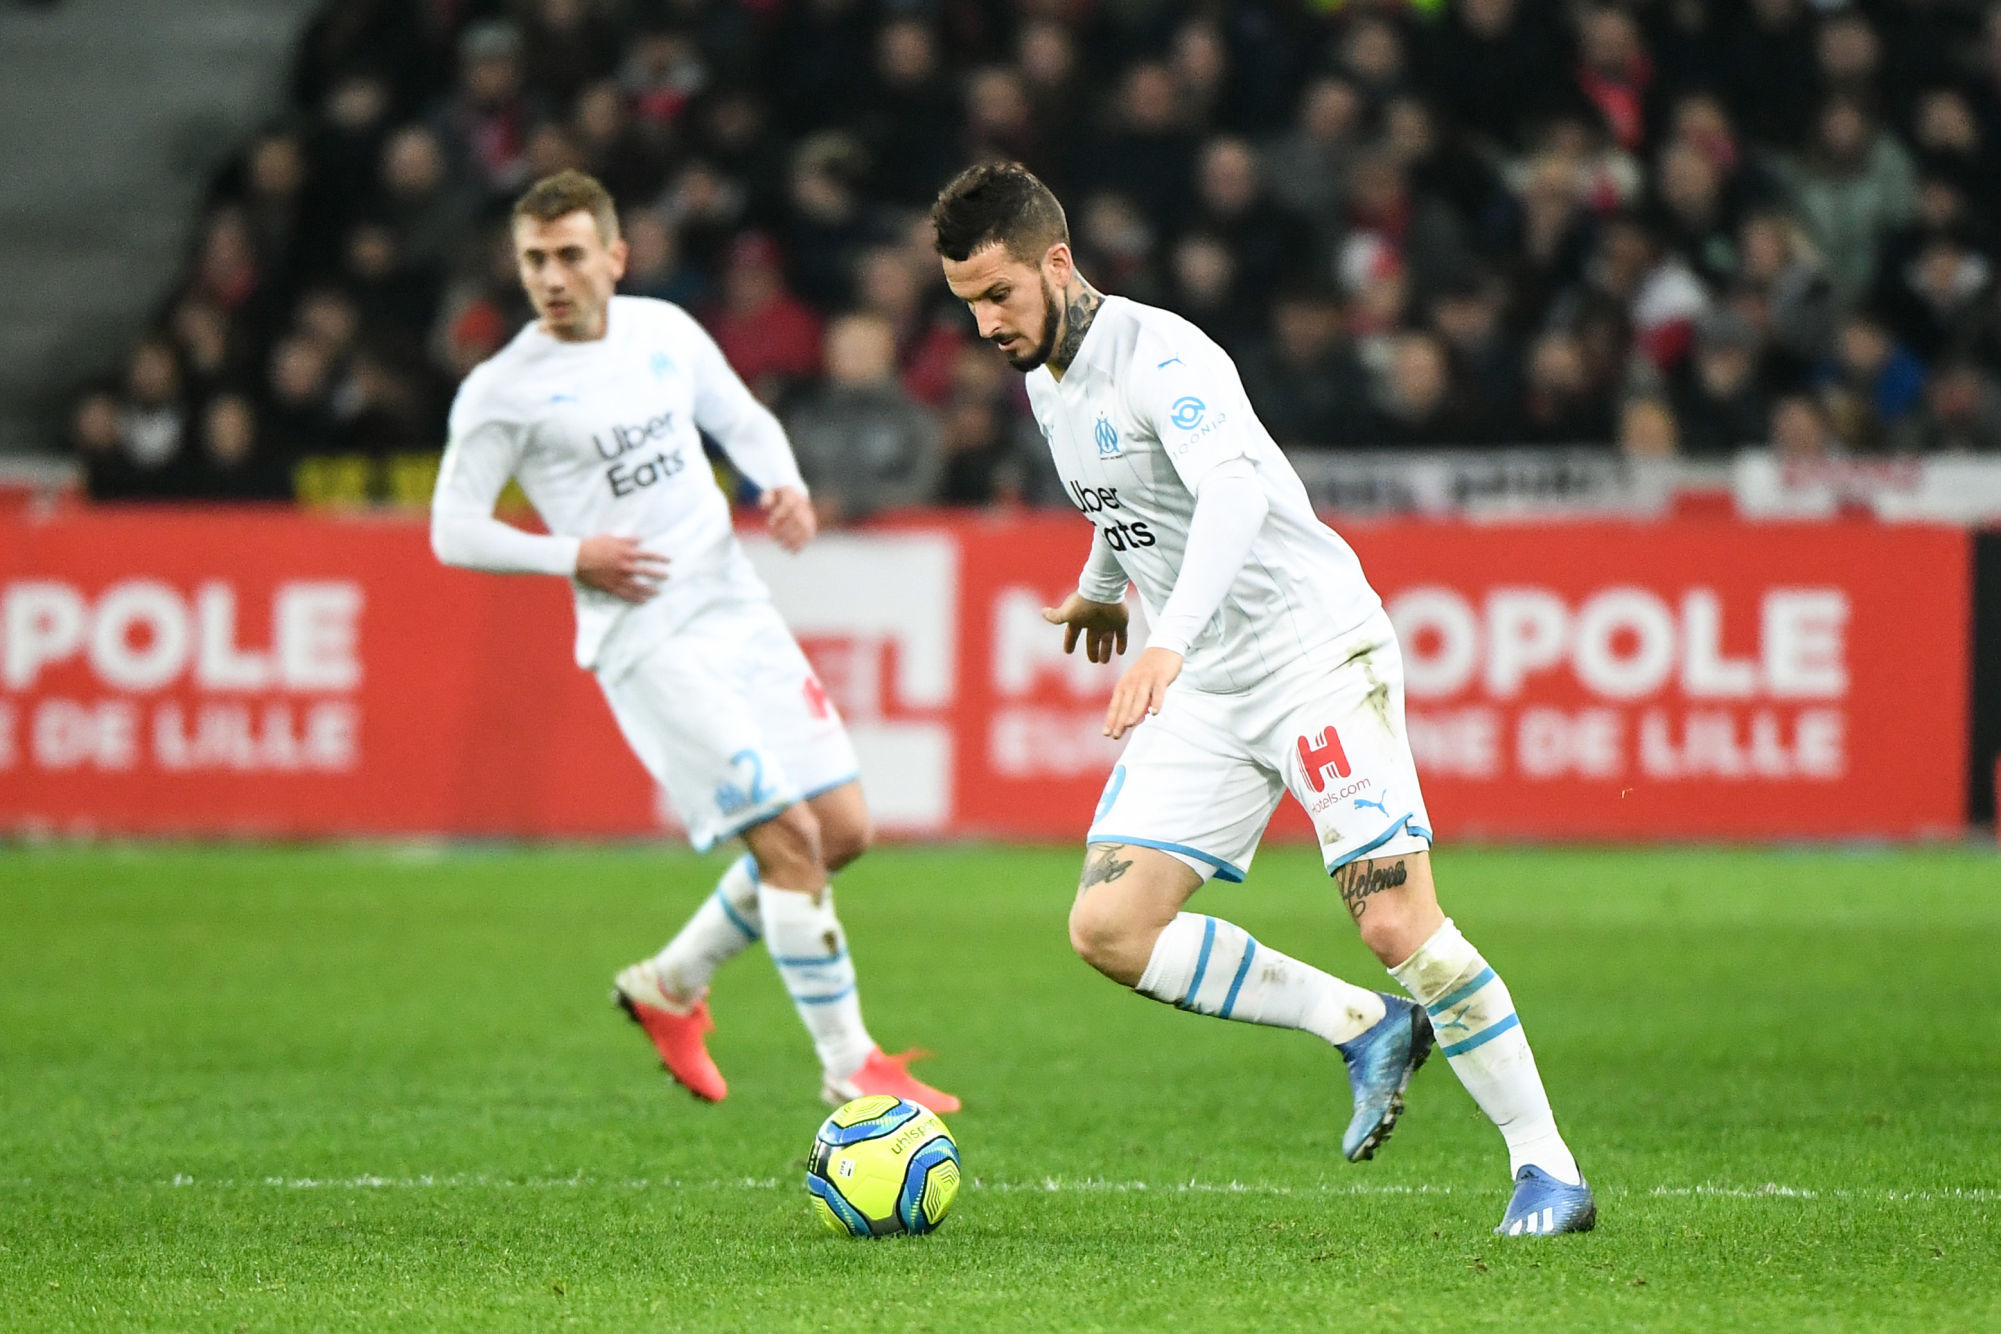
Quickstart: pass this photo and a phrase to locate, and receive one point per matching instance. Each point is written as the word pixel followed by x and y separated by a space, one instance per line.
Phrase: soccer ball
pixel 881 1166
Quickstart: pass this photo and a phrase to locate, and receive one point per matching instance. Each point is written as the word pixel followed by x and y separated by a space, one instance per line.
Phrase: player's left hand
pixel 790 516
pixel 1142 690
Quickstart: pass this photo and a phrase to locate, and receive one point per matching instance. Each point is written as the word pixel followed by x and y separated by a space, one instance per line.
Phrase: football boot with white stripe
pixel 1542 1206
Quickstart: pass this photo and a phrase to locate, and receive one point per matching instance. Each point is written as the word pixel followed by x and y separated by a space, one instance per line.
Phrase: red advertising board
pixel 272 673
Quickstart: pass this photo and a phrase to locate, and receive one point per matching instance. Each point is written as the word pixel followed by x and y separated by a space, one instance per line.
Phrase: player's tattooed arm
pixel 1360 881
pixel 1105 864
pixel 1080 307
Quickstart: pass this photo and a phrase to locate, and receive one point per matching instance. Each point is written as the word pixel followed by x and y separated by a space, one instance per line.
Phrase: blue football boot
pixel 1543 1206
pixel 1380 1064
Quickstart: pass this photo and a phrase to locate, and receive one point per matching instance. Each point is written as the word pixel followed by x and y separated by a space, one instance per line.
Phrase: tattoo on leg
pixel 1105 865
pixel 1357 882
pixel 1079 308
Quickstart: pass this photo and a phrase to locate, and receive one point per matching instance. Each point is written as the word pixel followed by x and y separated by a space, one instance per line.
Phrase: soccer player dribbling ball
pixel 1271 667
pixel 595 408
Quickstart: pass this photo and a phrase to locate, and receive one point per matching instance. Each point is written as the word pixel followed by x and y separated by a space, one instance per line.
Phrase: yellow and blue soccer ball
pixel 881 1166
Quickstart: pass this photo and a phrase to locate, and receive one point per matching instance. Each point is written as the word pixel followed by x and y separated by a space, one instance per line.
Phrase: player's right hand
pixel 1103 625
pixel 621 567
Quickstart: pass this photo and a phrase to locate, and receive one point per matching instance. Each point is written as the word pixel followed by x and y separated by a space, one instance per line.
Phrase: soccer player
pixel 595 409
pixel 1271 667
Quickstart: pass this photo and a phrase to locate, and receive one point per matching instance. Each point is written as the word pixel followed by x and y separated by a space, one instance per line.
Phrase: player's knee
pixel 1105 939
pixel 842 843
pixel 788 849
pixel 1390 930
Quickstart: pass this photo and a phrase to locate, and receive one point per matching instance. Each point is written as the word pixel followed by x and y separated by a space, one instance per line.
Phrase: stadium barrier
pixel 273 673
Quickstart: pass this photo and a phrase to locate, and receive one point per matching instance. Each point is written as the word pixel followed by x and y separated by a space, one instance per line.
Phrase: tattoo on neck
pixel 1358 881
pixel 1106 865
pixel 1080 307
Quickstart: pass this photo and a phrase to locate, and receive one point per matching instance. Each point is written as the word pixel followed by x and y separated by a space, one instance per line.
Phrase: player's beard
pixel 1052 315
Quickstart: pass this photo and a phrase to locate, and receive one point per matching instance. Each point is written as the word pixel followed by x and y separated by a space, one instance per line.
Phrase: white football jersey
pixel 1147 409
pixel 603 437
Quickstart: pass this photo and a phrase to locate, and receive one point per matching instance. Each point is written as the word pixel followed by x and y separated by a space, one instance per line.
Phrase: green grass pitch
pixel 344 1089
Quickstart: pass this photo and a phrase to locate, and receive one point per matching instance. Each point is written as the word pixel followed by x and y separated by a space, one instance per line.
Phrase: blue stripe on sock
pixel 736 918
pixel 808 960
pixel 1447 1002
pixel 1483 1037
pixel 1237 982
pixel 828 999
pixel 1201 962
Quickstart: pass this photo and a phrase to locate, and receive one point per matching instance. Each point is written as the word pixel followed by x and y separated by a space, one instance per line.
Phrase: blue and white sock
pixel 726 922
pixel 811 953
pixel 1213 967
pixel 1479 1032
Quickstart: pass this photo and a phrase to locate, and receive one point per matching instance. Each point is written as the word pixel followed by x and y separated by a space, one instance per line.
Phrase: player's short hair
pixel 569 192
pixel 997 203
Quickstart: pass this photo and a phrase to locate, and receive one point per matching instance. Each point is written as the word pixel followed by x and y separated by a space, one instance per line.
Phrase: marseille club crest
pixel 1108 438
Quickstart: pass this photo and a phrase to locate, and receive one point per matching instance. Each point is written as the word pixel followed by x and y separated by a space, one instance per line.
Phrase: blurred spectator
pixel 770 336
pixel 568 44
pixel 234 465
pixel 1414 401
pixel 629 160
pixel 1719 406
pixel 1204 286
pixel 1769 70
pixel 1371 55
pixel 1872 384
pixel 96 438
pixel 1647 429
pixel 153 419
pixel 890 286
pixel 1149 156
pixel 425 209
pixel 653 265
pixel 1560 405
pixel 863 446
pixel 1614 74
pixel 1778 262
pixel 910 121
pixel 1801 431
pixel 1303 376
pixel 275 208
pixel 202 341
pixel 1962 412
pixel 662 75
pixel 1309 163
pixel 1421 233
pixel 1486 362
pixel 1937 299
pixel 831 221
pixel 298 410
pixel 992 454
pixel 1115 246
pixel 486 122
pixel 1000 123
pixel 1232 206
pixel 1500 67
pixel 1853 184
pixel 391 293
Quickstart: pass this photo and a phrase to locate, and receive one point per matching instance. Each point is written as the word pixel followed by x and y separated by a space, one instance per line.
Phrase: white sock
pixel 1211 966
pixel 811 952
pixel 726 922
pixel 1480 1034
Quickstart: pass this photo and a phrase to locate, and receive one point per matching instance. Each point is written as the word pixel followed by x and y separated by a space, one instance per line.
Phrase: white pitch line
pixel 1045 1186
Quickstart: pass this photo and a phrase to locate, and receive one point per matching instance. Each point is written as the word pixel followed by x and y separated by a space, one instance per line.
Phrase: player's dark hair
pixel 997 203
pixel 569 192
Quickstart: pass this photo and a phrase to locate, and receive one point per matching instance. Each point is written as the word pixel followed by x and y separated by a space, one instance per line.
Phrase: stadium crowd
pixel 1672 226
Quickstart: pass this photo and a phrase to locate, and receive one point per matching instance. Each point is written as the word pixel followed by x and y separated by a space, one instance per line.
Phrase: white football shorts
pixel 728 717
pixel 1201 778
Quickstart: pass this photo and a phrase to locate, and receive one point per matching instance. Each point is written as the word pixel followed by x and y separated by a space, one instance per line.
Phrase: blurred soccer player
pixel 595 409
pixel 1271 667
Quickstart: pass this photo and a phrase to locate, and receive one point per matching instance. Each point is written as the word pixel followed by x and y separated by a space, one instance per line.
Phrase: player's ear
pixel 1058 264
pixel 618 251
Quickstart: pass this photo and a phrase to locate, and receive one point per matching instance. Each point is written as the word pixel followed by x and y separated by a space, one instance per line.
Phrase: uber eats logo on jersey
pixel 627 474
pixel 1120 534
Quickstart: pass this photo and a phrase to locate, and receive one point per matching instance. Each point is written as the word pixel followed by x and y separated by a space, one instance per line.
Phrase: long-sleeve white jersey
pixel 603 438
pixel 1147 412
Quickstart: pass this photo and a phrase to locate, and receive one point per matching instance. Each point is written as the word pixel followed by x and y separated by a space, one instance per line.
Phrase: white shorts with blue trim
pixel 1201 779
pixel 728 717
